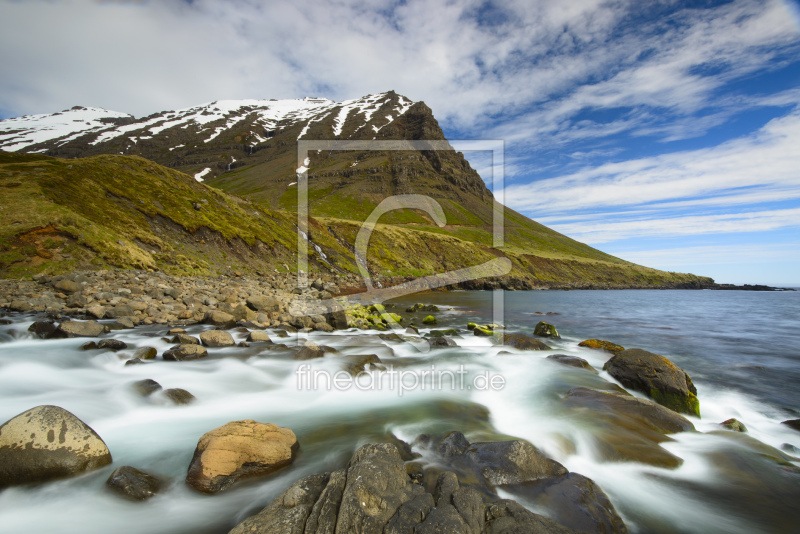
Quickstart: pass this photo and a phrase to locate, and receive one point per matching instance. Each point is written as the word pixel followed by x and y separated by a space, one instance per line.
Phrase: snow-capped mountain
pixel 253 121
pixel 23 132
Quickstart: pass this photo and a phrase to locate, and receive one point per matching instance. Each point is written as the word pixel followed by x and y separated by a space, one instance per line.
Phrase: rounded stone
pixel 45 443
pixel 216 338
pixel 237 450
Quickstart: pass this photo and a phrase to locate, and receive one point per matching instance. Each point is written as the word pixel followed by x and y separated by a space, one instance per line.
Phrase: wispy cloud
pixel 766 162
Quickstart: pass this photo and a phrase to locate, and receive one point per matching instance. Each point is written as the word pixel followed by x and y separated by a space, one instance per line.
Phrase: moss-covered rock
pixel 430 319
pixel 544 329
pixel 657 377
pixel 599 344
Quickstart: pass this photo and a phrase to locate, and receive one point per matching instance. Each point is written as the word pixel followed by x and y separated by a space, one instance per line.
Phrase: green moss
pixel 688 404
pixel 430 319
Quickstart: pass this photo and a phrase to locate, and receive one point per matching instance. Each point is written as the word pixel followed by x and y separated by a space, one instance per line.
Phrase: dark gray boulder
pixel 133 484
pixel 509 517
pixel 48 442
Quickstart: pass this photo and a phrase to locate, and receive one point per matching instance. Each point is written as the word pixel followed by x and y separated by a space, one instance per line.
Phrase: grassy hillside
pixel 125 211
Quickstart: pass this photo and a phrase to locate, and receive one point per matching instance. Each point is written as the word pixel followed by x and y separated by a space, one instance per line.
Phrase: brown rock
pixel 237 450
pixel 216 338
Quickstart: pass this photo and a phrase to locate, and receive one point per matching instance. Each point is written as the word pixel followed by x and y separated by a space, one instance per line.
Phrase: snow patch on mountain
pixel 21 132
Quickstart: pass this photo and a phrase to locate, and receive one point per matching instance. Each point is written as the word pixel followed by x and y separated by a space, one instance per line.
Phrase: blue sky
pixel 665 132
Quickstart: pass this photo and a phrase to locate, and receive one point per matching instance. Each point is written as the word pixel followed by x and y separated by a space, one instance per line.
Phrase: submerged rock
pixel 133 484
pixel 179 396
pixel 574 501
pixel 628 428
pixel 522 342
pixel 792 423
pixel 145 353
pixel 309 351
pixel 734 424
pixel 146 387
pixel 238 450
pixel 657 377
pixel 572 361
pixel 112 344
pixel 48 442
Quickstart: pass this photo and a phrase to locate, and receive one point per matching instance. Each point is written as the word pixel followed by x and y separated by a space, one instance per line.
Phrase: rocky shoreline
pixel 384 487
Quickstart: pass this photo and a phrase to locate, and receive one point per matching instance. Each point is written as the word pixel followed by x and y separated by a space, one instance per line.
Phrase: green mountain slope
pixel 124 211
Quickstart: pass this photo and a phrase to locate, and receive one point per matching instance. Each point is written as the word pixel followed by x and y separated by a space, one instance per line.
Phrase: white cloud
pixel 766 162
pixel 595 232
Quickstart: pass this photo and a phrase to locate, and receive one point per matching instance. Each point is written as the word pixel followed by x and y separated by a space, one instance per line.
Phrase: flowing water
pixel 739 347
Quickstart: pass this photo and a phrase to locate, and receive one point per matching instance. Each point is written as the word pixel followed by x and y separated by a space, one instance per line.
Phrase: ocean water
pixel 739 348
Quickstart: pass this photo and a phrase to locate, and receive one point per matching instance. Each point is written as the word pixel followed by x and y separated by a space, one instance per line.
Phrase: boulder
pixel 574 501
pixel 44 329
pixel 656 377
pixel 543 329
pixel 48 442
pixel 67 286
pixel 430 319
pixel 179 396
pixel 512 462
pixel 120 310
pixel 521 341
pixel 133 484
pixel 337 319
pixel 454 443
pixel 81 328
pixel 263 303
pixel 572 361
pixel 185 339
pixel 734 424
pixel 441 342
pixel 599 344
pixel 112 344
pixel 290 511
pixel 180 353
pixel 358 364
pixel 219 319
pixel 145 353
pixel 377 485
pixel 309 351
pixel 216 338
pixel 509 517
pixel 375 495
pixel 238 450
pixel 259 336
pixel 628 428
pixel 146 387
